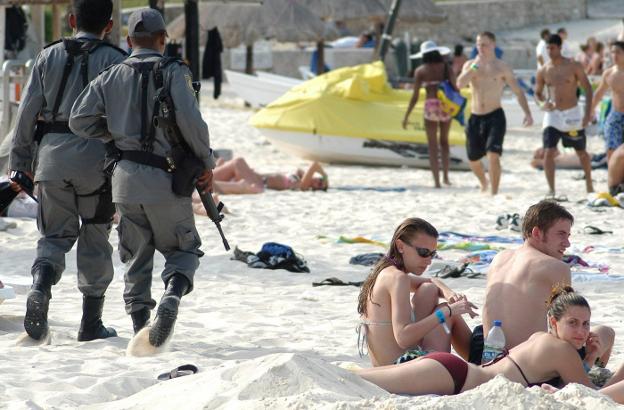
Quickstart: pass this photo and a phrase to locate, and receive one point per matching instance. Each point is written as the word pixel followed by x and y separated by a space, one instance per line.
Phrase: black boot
pixel 38 302
pixel 140 319
pixel 91 326
pixel 168 310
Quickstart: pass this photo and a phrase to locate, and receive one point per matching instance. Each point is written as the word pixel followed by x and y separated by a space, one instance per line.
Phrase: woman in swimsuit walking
pixel 551 358
pixel 397 327
pixel 430 75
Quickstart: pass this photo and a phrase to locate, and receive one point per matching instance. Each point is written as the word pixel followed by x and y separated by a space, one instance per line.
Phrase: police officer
pixel 74 196
pixel 119 106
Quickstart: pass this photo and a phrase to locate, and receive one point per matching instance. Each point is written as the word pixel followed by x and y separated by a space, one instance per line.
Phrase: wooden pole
pixel 386 37
pixel 249 60
pixel 191 14
pixel 2 32
pixel 320 57
pixel 37 19
pixel 115 34
pixel 56 21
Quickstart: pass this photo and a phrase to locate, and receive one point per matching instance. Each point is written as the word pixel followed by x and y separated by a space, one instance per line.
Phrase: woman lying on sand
pixel 550 358
pixel 237 177
pixel 396 328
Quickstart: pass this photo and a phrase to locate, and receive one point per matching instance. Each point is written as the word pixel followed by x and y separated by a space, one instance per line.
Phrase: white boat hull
pixel 349 150
pixel 257 91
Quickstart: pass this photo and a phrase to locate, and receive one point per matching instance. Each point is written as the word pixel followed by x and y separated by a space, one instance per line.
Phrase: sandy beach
pixel 268 339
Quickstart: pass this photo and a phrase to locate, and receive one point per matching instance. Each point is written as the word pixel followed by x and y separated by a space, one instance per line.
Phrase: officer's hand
pixel 205 181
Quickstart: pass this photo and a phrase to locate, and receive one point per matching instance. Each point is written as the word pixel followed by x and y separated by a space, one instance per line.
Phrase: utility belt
pixel 185 168
pixel 58 127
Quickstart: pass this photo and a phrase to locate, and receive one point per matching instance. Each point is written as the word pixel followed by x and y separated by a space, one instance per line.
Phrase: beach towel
pixel 366 259
pixel 272 255
pixel 451 236
pixel 368 188
pixel 466 246
pixel 575 260
pixel 360 239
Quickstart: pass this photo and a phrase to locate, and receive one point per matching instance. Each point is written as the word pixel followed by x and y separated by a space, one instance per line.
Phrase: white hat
pixel 429 46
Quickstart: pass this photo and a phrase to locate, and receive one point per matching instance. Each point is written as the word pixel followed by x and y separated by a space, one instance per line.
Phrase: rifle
pixel 186 166
pixel 25 182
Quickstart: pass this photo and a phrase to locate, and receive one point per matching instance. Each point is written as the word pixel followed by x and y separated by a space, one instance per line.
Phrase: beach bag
pixel 453 103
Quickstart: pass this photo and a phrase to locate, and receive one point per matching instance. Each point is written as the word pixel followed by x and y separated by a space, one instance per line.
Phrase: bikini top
pixel 554 381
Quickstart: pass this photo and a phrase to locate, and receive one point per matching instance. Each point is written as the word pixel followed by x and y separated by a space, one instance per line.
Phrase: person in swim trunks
pixel 519 280
pixel 434 70
pixel 613 80
pixel 545 358
pixel 400 311
pixel 563 119
pixel 485 131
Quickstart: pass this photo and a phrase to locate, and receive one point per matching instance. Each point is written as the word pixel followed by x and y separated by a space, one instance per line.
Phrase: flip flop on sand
pixel 336 282
pixel 560 198
pixel 184 370
pixel 593 230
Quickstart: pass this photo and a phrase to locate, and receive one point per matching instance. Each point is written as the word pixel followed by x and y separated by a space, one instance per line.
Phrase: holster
pixel 188 169
pixel 41 129
pixel 112 156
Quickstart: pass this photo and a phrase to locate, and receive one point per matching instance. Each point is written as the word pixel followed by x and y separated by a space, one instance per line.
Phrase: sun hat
pixel 429 46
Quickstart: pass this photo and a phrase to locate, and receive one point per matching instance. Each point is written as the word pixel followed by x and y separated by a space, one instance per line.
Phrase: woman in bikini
pixel 396 327
pixel 237 177
pixel 550 358
pixel 430 75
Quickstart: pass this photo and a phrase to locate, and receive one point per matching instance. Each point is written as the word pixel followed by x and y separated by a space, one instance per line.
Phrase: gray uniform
pixel 152 216
pixel 68 169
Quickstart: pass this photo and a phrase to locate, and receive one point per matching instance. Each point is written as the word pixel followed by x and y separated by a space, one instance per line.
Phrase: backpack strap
pixel 144 68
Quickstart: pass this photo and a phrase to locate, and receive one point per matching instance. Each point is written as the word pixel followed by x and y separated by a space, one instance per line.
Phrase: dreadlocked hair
pixel 406 231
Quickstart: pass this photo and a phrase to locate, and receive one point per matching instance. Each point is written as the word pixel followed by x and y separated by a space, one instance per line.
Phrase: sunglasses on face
pixel 423 252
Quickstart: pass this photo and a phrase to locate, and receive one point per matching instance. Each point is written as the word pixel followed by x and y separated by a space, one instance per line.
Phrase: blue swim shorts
pixel 614 129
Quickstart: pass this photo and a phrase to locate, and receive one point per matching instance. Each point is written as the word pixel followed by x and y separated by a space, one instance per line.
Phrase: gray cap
pixel 145 22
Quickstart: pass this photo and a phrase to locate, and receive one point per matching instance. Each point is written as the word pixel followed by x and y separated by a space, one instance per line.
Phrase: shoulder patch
pixel 189 82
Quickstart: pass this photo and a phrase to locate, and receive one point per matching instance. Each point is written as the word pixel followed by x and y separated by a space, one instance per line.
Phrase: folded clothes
pixel 366 259
pixel 272 256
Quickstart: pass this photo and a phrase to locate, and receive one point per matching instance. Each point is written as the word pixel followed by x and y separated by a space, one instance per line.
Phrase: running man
pixel 486 127
pixel 613 79
pixel 562 118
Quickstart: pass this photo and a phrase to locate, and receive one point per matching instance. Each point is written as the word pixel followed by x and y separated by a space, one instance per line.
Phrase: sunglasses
pixel 423 252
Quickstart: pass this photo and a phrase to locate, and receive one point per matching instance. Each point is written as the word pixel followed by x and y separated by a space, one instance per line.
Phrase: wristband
pixel 474 67
pixel 450 310
pixel 442 320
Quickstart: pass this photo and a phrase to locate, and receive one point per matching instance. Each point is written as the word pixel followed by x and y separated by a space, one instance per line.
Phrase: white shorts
pixel 567 120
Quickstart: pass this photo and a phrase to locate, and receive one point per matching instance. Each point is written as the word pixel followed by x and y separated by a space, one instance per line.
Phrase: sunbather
pixel 237 177
pixel 567 160
pixel 545 358
pixel 396 327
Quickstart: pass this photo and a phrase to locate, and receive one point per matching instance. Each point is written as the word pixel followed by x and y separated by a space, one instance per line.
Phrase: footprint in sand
pixel 25 340
pixel 140 346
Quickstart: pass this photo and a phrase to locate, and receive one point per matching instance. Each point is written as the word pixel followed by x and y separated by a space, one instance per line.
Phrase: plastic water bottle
pixel 494 343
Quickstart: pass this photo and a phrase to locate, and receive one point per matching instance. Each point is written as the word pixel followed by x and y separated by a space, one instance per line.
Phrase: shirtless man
pixel 519 281
pixel 562 118
pixel 486 127
pixel 613 79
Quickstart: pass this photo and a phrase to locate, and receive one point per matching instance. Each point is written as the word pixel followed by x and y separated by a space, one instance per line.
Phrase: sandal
pixel 593 230
pixel 184 370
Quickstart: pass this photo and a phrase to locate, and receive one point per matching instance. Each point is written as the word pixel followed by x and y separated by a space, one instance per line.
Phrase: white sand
pixel 267 339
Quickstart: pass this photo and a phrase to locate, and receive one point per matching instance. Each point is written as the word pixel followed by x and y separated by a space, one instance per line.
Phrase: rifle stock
pixel 214 213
